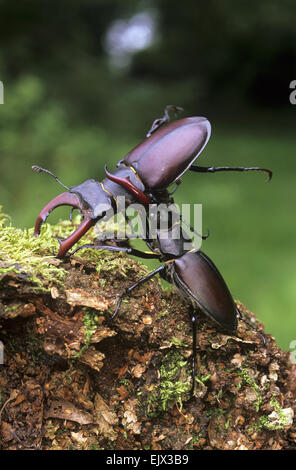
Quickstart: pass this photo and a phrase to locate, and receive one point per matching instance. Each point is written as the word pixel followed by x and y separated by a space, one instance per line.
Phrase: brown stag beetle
pixel 144 174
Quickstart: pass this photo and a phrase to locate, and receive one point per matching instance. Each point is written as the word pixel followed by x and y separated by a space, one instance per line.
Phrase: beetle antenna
pixel 38 169
pixel 252 327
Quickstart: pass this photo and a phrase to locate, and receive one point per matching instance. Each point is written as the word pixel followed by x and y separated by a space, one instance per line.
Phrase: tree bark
pixel 74 379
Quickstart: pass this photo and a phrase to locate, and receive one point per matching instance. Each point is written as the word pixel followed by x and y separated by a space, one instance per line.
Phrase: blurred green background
pixel 84 79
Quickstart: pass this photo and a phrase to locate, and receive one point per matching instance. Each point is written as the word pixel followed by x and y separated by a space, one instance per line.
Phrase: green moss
pixel 172 392
pixel 162 314
pixel 177 342
pixel 90 321
pixel 202 379
pixel 22 253
pixel 35 257
pixel 265 423
pixel 107 262
pixel 216 412
pixel 171 389
pixel 251 382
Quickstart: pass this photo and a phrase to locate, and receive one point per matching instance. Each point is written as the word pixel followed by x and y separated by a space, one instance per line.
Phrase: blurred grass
pixel 251 222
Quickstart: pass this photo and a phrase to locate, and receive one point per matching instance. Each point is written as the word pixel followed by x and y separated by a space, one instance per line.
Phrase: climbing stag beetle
pixel 142 176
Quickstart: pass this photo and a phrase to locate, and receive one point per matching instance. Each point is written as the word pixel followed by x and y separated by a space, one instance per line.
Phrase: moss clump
pixel 251 382
pixel 172 387
pixel 265 422
pixel 34 257
pixel 173 384
pixel 22 253
pixel 203 378
pixel 177 342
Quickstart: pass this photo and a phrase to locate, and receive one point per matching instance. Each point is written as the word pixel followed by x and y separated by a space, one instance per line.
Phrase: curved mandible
pixel 64 199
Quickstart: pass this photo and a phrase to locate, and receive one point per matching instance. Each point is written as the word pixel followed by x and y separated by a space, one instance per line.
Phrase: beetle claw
pixel 269 175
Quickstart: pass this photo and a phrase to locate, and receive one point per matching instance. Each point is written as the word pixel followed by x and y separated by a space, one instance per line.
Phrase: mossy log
pixel 74 379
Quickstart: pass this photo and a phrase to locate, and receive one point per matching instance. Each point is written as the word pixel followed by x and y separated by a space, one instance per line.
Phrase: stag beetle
pixel 143 175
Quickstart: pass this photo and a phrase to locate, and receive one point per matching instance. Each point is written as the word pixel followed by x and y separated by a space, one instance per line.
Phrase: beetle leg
pixel 166 117
pixel 179 181
pixel 213 169
pixel 71 213
pixel 136 284
pixel 203 237
pixel 193 360
pixel 128 251
pixel 251 326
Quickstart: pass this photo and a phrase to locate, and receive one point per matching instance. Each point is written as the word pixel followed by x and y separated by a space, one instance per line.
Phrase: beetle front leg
pixel 129 289
pixel 128 251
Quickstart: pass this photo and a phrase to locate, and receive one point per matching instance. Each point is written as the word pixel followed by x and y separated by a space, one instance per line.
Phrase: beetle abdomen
pixel 196 274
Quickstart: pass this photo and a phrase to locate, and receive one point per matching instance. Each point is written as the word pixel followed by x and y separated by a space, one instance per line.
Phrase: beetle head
pixel 88 197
